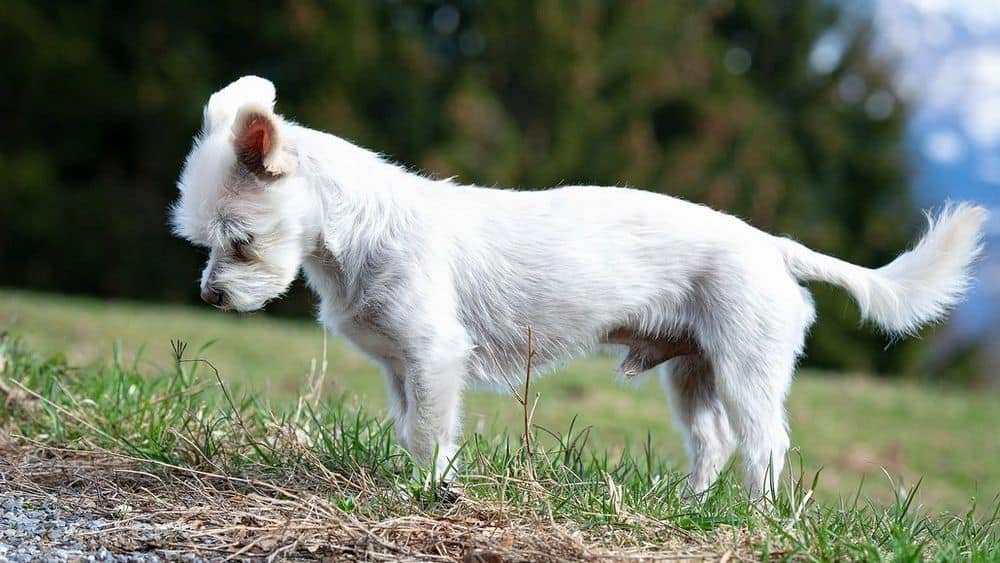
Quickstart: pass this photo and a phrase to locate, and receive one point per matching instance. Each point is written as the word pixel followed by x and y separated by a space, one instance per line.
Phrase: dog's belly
pixel 646 352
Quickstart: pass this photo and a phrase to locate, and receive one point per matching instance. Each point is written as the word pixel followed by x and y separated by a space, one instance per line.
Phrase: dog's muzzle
pixel 212 296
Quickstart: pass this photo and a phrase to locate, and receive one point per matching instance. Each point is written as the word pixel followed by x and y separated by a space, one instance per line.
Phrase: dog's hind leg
pixel 690 386
pixel 752 332
pixel 753 383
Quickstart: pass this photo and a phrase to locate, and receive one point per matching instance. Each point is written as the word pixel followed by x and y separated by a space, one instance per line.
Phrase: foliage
pixel 99 102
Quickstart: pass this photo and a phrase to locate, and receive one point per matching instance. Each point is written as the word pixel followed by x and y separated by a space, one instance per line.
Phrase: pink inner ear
pixel 258 136
pixel 255 142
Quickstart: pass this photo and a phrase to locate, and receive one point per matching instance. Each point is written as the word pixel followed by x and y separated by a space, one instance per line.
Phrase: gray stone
pixel 43 531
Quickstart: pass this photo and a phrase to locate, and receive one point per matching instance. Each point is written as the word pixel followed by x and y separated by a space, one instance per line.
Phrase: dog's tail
pixel 916 288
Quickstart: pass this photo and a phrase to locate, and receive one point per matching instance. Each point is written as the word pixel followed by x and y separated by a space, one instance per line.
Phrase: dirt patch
pixel 132 510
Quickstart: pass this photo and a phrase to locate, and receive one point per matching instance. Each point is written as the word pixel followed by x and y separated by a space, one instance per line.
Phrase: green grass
pixel 107 379
pixel 305 469
pixel 851 427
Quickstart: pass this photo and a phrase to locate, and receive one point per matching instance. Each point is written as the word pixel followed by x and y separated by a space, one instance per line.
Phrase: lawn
pixel 100 418
pixel 852 427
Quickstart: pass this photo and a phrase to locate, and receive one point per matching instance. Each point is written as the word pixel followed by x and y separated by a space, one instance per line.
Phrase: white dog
pixel 438 282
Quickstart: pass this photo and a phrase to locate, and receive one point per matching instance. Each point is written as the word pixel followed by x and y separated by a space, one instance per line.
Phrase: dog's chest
pixel 366 325
pixel 368 330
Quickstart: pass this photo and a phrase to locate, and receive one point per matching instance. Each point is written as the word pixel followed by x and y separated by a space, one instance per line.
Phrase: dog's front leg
pixel 395 380
pixel 432 422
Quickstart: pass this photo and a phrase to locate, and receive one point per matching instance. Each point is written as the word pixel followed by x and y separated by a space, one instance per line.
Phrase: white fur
pixel 438 282
pixel 223 105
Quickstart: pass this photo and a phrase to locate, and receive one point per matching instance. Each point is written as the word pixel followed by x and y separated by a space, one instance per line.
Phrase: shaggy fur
pixel 438 282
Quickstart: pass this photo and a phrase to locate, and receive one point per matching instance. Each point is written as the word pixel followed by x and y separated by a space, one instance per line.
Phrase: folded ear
pixel 258 143
pixel 224 104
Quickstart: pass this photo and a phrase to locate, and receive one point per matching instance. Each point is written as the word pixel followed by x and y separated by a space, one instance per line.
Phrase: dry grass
pixel 172 510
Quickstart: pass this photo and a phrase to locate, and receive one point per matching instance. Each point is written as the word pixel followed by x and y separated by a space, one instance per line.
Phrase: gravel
pixel 33 530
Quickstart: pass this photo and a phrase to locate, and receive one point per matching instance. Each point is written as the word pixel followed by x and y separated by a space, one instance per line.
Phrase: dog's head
pixel 241 199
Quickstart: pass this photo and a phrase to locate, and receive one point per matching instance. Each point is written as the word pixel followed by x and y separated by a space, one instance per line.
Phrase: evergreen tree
pixel 715 102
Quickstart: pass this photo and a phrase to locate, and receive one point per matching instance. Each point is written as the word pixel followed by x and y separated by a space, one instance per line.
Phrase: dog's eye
pixel 241 249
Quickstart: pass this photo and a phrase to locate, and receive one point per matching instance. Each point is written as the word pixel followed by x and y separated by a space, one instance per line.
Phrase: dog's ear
pixel 257 141
pixel 224 104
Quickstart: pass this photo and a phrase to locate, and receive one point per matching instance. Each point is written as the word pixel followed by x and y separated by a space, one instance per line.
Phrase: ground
pixel 854 428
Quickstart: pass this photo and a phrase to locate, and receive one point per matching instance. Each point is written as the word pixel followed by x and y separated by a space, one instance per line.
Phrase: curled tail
pixel 916 288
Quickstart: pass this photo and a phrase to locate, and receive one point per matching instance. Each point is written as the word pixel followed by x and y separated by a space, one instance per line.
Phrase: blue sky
pixel 947 56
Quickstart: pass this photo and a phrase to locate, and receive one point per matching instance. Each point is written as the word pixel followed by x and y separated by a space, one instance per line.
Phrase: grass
pixel 312 470
pixel 176 453
pixel 849 426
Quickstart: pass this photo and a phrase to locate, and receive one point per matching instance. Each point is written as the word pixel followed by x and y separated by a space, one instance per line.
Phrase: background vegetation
pixel 710 101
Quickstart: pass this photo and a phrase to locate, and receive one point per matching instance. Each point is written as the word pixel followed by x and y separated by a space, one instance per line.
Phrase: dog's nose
pixel 212 296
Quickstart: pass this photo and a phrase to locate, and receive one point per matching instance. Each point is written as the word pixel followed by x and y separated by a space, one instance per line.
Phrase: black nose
pixel 211 296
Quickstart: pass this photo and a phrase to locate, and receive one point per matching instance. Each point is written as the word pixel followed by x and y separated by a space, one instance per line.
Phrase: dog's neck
pixel 364 205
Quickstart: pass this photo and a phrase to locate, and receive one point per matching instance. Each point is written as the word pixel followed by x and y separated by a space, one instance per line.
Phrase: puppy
pixel 439 282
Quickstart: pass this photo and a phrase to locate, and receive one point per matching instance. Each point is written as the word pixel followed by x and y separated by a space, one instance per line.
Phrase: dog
pixel 439 282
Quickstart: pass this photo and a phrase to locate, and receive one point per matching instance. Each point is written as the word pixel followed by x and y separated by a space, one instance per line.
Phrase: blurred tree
pixel 716 102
